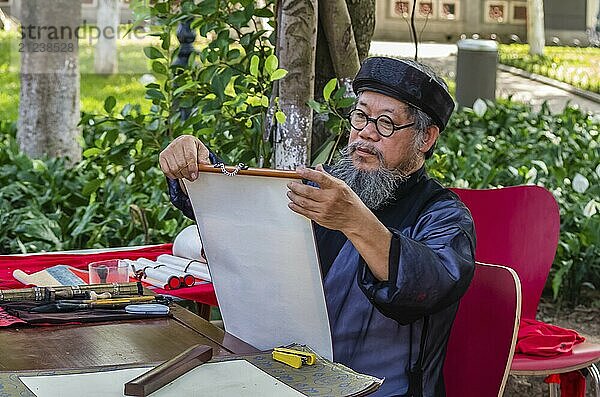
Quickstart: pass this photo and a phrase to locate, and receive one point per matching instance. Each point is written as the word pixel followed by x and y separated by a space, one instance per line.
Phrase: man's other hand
pixel 181 158
pixel 332 205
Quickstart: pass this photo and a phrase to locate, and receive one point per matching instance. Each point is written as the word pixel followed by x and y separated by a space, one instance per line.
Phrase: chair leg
pixel 594 372
pixel 595 375
pixel 554 389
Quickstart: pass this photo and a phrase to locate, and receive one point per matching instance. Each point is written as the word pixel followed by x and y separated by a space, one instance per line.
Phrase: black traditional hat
pixel 400 80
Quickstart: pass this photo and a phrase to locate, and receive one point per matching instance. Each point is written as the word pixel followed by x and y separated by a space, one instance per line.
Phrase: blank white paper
pixel 263 261
pixel 222 379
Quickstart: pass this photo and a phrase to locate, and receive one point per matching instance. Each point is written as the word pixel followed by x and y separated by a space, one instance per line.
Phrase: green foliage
pixel 579 67
pixel 510 144
pixel 225 89
pixel 116 196
pixel 336 102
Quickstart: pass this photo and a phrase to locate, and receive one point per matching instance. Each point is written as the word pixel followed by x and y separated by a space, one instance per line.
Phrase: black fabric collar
pixel 406 186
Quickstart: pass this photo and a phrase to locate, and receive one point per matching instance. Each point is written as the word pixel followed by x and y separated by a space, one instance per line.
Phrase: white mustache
pixel 365 146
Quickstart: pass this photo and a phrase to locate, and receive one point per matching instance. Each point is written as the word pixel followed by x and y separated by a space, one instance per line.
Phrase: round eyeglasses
pixel 383 124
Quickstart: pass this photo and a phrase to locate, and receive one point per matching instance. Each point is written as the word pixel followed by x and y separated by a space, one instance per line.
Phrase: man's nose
pixel 370 132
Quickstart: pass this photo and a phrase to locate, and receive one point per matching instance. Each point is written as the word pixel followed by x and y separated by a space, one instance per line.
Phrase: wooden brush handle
pixel 168 371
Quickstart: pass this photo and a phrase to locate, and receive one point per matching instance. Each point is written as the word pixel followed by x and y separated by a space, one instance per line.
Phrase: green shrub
pixel 225 89
pixel 510 144
pixel 115 197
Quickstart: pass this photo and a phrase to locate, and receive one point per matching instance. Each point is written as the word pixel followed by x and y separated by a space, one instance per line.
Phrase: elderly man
pixel 396 248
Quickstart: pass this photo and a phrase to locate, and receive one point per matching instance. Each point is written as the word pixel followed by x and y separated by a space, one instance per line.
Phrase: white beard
pixel 377 187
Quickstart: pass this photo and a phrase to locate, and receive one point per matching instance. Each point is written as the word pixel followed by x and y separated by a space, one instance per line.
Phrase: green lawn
pixel 125 86
pixel 573 65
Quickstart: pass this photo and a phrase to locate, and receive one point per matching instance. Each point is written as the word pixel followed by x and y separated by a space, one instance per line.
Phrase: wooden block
pixel 168 371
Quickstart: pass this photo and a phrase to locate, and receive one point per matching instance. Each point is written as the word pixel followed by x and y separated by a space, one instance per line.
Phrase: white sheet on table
pixel 224 379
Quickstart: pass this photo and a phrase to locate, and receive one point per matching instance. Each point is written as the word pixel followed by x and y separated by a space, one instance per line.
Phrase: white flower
pixel 479 107
pixel 531 175
pixel 580 183
pixel 591 208
pixel 553 138
pixel 541 164
pixel 557 192
pixel 147 79
pixel 461 183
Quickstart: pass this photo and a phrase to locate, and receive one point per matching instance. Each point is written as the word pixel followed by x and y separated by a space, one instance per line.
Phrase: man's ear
pixel 432 134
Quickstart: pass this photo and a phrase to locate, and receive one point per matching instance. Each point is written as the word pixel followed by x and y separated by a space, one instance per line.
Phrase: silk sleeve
pixel 430 265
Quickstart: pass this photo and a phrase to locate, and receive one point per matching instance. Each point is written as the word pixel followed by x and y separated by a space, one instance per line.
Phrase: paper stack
pixel 181 269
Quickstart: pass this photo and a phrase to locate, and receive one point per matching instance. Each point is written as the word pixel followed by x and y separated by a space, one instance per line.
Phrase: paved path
pixel 442 57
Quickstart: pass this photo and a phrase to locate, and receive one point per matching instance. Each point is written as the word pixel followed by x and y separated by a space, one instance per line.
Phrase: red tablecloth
pixel 203 293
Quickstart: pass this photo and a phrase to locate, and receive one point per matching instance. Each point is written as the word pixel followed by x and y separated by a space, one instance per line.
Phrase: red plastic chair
pixel 518 227
pixel 488 311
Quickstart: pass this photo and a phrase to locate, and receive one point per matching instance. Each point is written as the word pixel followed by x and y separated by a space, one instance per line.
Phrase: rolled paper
pixel 191 266
pixel 188 245
pixel 146 279
pixel 185 277
pixel 165 279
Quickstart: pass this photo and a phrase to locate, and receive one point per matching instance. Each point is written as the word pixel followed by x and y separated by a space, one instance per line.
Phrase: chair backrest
pixel 483 336
pixel 517 227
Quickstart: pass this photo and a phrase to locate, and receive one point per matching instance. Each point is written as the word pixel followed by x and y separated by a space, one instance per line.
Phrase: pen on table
pixel 57 307
pixel 70 305
pixel 99 302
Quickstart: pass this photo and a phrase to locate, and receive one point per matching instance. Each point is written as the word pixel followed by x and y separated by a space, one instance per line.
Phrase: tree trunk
pixel 49 99
pixel 106 61
pixel 362 15
pixel 335 19
pixel 535 27
pixel 296 42
pixel 7 23
pixel 362 18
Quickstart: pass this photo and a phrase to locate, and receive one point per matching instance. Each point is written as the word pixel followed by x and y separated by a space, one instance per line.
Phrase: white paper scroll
pixel 162 268
pixel 158 277
pixel 263 261
pixel 191 266
pixel 187 244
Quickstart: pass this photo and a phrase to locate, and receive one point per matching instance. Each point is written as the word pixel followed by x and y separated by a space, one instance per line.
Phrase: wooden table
pixel 116 343
pixel 67 349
